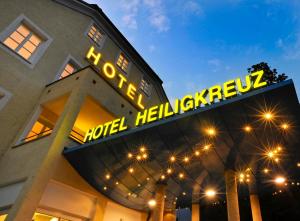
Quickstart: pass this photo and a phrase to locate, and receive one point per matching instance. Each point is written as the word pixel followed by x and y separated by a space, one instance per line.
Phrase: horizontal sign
pixel 189 102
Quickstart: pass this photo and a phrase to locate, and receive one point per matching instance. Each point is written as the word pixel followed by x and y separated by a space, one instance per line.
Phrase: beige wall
pixel 67 28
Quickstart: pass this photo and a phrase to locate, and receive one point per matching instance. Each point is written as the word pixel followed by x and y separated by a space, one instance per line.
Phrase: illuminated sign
pixel 110 73
pixel 189 102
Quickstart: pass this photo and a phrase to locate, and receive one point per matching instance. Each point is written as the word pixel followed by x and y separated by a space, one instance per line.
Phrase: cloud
pixel 290 46
pixel 214 62
pixel 130 8
pixel 193 7
pixel 151 48
pixel 154 11
pixel 157 16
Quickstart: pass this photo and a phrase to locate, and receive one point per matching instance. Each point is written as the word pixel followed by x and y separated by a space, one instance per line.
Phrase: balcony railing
pixel 74 135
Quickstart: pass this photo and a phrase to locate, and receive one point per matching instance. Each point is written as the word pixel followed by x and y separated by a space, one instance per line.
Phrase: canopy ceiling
pixel 182 135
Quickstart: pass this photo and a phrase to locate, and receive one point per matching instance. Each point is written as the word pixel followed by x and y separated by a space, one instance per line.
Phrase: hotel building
pixel 50 96
pixel 64 69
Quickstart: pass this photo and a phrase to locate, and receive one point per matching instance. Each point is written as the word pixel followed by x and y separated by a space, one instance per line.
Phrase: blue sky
pixel 194 44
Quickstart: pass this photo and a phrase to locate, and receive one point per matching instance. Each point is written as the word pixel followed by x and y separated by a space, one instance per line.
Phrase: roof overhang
pixel 181 135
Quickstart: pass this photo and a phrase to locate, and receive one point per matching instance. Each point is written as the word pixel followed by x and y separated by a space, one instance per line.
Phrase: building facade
pixel 50 95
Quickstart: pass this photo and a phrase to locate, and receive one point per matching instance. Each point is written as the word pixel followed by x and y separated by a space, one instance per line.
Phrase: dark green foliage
pixel 270 76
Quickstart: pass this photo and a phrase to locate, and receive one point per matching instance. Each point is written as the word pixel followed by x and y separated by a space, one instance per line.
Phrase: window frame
pixel 69 59
pixel 150 84
pixel 4 100
pixel 129 63
pixel 40 50
pixel 103 39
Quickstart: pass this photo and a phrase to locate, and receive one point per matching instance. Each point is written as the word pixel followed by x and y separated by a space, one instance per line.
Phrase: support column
pixel 254 200
pixel 233 212
pixel 28 200
pixel 158 211
pixel 195 212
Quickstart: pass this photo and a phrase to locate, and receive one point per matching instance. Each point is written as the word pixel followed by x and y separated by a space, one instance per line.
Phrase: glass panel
pixel 24 53
pixel 10 43
pixel 64 74
pixel 29 46
pixel 69 68
pixel 17 37
pixel 95 34
pixel 23 30
pixel 35 40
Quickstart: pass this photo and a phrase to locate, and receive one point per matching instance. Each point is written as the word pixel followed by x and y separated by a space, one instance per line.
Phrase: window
pixel 146 87
pixel 39 129
pixel 123 62
pixel 23 41
pixel 45 217
pixel 69 69
pixel 44 120
pixel 3 217
pixel 96 35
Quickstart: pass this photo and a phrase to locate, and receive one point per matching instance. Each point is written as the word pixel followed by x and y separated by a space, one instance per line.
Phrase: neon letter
pixel 96 57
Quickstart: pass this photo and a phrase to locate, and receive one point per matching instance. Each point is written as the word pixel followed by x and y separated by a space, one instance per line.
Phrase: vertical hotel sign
pixel 110 73
pixel 189 102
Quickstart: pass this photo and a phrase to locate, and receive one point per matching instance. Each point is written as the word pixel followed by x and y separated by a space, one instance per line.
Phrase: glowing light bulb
pixel 145 156
pixel 107 176
pixel 206 147
pixel 181 175
pixel 169 171
pixel 268 116
pixel 279 180
pixel 152 203
pixel 210 193
pixel 211 131
pixel 270 154
pixel 266 170
pixel 247 128
pixel 129 155
pixel 143 149
pixel 172 158
pixel 186 159
pixel 284 126
pixel 131 170
pixel 197 153
pixel 163 177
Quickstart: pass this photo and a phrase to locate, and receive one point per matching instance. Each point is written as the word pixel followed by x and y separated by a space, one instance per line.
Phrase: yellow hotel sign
pixel 189 102
pixel 110 73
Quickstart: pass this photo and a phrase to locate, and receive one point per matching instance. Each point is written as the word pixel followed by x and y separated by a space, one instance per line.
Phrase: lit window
pixel 69 69
pixel 3 217
pixel 45 217
pixel 123 62
pixel 39 129
pixel 95 34
pixel 43 124
pixel 23 41
pixel 145 86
